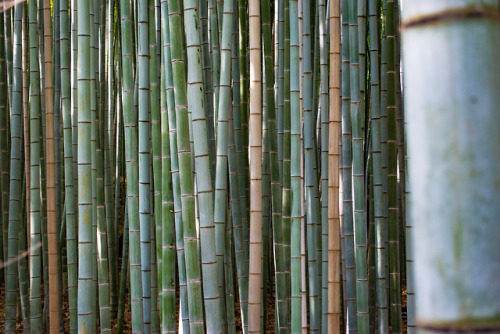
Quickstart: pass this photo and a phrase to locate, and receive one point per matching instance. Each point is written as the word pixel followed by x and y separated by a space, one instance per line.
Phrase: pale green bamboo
pixel 325 134
pixel 71 236
pixel 154 88
pixel 191 243
pixel 410 276
pixel 35 148
pixel 15 209
pixel 86 293
pixel 453 158
pixel 174 159
pixel 213 306
pixel 295 171
pixel 74 98
pixel 350 264
pixel 143 72
pixel 221 177
pixel 131 158
pixel 215 52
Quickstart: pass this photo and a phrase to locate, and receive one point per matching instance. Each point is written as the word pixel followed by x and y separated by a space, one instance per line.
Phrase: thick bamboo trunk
pixel 451 101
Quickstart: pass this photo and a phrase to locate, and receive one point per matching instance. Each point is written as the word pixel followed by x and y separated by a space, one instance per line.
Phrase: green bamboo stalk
pixel 324 144
pixel 311 177
pixel 124 271
pixel 295 171
pixel 86 293
pixel 144 158
pixel 24 231
pixel 71 236
pixel 110 155
pixel 270 147
pixel 57 121
pixel 228 275
pixel 74 96
pixel 221 177
pixel 394 261
pixel 195 96
pixel 381 252
pixel 102 246
pixel 410 276
pixel 215 51
pixel 167 302
pixel 207 79
pixel 242 123
pixel 23 273
pixel 172 125
pixel 360 237
pixel 35 216
pixel 8 54
pixel 350 264
pixel 237 208
pixel 4 163
pixel 156 150
pixel 15 204
pixel 286 188
pixel 279 219
pixel 131 158
pixel 186 181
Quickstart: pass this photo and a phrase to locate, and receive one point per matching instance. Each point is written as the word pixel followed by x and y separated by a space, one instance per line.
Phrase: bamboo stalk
pixel 334 262
pixel 453 158
pixel 255 269
pixel 15 203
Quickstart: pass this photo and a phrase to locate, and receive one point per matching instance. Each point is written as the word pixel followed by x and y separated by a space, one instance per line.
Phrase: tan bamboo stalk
pixel 334 264
pixel 51 177
pixel 255 169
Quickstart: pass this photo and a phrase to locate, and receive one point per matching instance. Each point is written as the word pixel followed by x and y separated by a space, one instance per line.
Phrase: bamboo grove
pixel 206 166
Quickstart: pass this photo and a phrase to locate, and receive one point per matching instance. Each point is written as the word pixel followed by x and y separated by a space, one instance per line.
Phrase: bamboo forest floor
pixel 127 328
